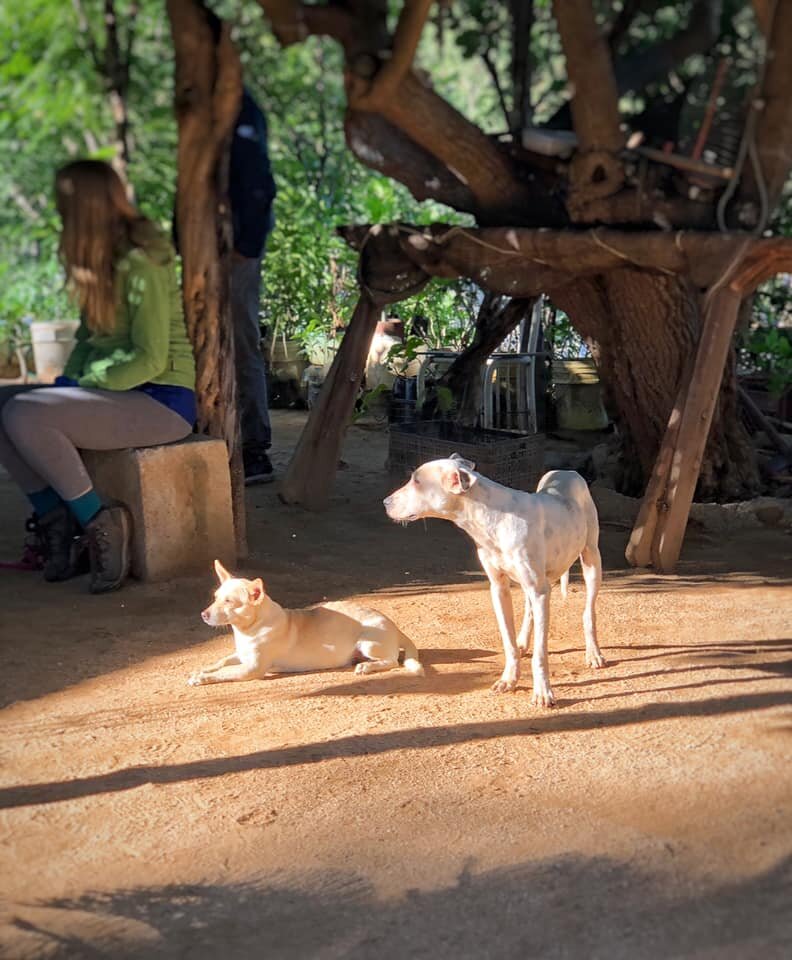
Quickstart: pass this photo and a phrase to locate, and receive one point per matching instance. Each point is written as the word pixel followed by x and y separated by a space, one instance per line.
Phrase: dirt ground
pixel 649 815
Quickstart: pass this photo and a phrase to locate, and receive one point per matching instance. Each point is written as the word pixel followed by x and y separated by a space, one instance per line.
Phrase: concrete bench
pixel 179 496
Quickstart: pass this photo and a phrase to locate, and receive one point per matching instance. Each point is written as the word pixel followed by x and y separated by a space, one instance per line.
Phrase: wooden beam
pixel 309 477
pixel 639 549
pixel 713 349
pixel 660 527
pixel 688 164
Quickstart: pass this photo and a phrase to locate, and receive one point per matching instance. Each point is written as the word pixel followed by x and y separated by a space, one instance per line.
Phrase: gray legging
pixel 43 428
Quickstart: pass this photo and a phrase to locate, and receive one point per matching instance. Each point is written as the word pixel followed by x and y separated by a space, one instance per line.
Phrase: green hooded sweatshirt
pixel 149 342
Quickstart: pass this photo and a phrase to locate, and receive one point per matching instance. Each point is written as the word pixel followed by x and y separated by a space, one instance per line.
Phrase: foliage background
pixel 54 106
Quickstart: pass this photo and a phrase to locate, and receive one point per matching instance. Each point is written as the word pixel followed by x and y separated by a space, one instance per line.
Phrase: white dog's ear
pixel 256 591
pixel 462 462
pixel 457 480
pixel 222 573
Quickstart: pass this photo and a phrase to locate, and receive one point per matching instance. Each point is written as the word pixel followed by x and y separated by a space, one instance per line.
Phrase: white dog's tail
pixel 411 662
pixel 564 584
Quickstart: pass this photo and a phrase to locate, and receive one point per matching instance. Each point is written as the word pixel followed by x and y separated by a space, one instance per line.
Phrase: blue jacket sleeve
pixel 251 184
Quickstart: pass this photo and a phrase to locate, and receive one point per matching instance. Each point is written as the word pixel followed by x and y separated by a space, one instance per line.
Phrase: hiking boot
pixel 58 538
pixel 108 547
pixel 34 552
pixel 257 466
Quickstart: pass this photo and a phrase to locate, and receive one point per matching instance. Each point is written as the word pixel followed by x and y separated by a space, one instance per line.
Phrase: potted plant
pixel 36 315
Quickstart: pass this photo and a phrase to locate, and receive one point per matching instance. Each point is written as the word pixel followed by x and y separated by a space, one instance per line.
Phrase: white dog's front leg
pixel 228 661
pixel 500 591
pixel 238 671
pixel 542 694
pixel 524 638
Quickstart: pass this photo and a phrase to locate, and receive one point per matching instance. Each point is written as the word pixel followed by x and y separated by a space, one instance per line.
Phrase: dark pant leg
pixel 250 369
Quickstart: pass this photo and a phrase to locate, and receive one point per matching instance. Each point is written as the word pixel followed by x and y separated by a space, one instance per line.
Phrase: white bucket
pixel 53 342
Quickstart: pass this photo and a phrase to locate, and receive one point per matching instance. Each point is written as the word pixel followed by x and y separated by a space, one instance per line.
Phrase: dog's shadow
pixel 433 682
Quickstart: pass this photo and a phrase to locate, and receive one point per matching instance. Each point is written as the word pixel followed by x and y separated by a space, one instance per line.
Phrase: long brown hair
pixel 99 226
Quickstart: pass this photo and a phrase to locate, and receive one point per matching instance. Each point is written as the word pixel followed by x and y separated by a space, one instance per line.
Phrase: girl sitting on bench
pixel 128 383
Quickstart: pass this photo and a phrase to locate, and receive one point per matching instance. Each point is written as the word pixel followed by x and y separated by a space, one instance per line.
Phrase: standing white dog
pixel 271 639
pixel 531 538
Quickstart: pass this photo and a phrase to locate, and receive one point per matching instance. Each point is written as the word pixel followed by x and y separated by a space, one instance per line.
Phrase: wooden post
pixel 311 472
pixel 639 549
pixel 694 426
pixel 660 526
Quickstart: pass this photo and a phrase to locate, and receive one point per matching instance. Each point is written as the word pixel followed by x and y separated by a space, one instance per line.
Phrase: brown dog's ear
pixel 256 591
pixel 222 573
pixel 462 462
pixel 457 480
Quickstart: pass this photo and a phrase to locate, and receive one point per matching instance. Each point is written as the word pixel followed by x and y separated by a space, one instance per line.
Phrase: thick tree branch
pixel 285 16
pixel 393 71
pixel 595 171
pixel 525 263
pixel 595 106
pixel 496 319
pixel 763 10
pixel 774 125
pixel 431 123
pixel 381 146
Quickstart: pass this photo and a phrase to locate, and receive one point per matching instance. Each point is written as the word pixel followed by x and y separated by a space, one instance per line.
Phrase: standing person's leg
pixel 48 427
pixel 253 401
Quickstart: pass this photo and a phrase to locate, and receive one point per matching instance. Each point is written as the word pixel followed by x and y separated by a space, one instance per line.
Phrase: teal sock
pixel 85 507
pixel 44 500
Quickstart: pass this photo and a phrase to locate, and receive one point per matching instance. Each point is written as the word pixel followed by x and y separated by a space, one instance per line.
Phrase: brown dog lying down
pixel 270 639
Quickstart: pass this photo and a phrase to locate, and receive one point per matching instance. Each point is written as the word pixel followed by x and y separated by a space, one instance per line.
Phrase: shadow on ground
pixel 565 908
pixel 370 744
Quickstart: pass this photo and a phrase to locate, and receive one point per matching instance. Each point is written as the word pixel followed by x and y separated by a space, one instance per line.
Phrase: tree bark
pixel 774 124
pixel 596 170
pixel 643 329
pixel 208 88
pixel 309 477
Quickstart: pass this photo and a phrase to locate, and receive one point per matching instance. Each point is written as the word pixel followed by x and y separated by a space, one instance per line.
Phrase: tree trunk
pixel 643 330
pixel 495 321
pixel 311 472
pixel 208 88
